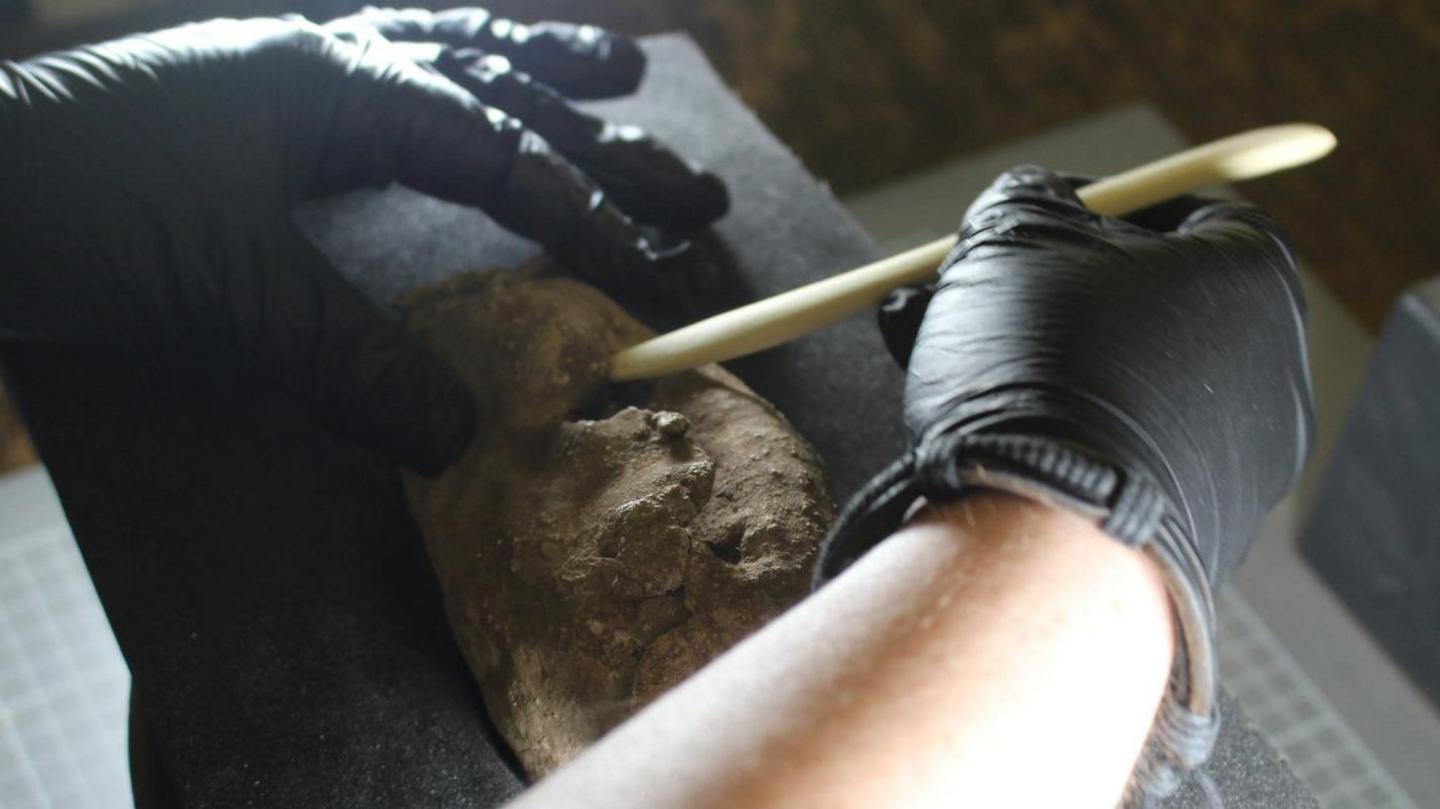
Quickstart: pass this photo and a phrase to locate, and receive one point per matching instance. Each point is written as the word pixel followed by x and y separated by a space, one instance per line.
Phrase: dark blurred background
pixel 868 90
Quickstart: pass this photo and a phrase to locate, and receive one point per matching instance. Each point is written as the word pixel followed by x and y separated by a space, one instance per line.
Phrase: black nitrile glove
pixel 147 184
pixel 1149 372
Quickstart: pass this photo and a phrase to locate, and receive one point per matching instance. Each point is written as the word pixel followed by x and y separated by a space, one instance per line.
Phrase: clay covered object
pixel 598 543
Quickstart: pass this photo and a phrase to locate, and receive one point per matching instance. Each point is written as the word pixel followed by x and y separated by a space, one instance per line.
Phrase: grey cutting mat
pixel 63 687
pixel 1297 718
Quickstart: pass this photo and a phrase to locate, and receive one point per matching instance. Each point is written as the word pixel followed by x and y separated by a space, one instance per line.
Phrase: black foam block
pixel 264 579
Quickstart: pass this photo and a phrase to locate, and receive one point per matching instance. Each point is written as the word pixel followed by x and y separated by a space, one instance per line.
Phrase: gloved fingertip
pixel 1211 212
pixel 689 204
pixel 645 276
pixel 582 61
pixel 1074 182
pixel 1032 179
pixel 901 300
pixel 443 430
pixel 658 252
pixel 653 184
pixel 623 59
pixel 899 318
pixel 615 248
pixel 1242 226
pixel 1030 187
pixel 711 199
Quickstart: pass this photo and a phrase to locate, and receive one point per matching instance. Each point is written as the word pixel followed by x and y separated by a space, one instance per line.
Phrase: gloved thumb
pixel 899 317
pixel 303 328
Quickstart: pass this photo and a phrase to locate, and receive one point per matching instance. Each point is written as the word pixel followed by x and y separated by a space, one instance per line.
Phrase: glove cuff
pixel 1129 506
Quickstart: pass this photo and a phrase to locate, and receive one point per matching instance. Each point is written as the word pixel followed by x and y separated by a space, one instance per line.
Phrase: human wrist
pixel 1159 578
pixel 1052 541
pixel 986 513
pixel 1113 503
pixel 1061 595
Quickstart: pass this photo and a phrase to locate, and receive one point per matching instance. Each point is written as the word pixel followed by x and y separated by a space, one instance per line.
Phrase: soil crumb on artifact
pixel 600 542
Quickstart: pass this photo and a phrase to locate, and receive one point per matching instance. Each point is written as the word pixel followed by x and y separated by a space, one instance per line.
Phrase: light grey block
pixel 1374 534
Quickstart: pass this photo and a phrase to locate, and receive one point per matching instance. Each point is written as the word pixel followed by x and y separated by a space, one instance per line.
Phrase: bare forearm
pixel 998 653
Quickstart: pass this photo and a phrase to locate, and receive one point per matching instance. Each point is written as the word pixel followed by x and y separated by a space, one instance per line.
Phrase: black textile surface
pixel 264 579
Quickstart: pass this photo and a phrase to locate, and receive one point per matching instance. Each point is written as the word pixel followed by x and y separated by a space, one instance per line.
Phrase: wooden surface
pixel 867 90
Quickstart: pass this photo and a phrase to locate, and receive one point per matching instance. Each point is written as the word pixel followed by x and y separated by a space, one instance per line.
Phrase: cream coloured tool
pixel 778 319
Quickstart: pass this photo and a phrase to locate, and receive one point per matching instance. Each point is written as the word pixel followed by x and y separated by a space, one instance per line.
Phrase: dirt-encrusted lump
pixel 598 543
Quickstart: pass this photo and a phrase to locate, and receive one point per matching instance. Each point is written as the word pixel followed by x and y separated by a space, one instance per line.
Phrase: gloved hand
pixel 1149 372
pixel 147 186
